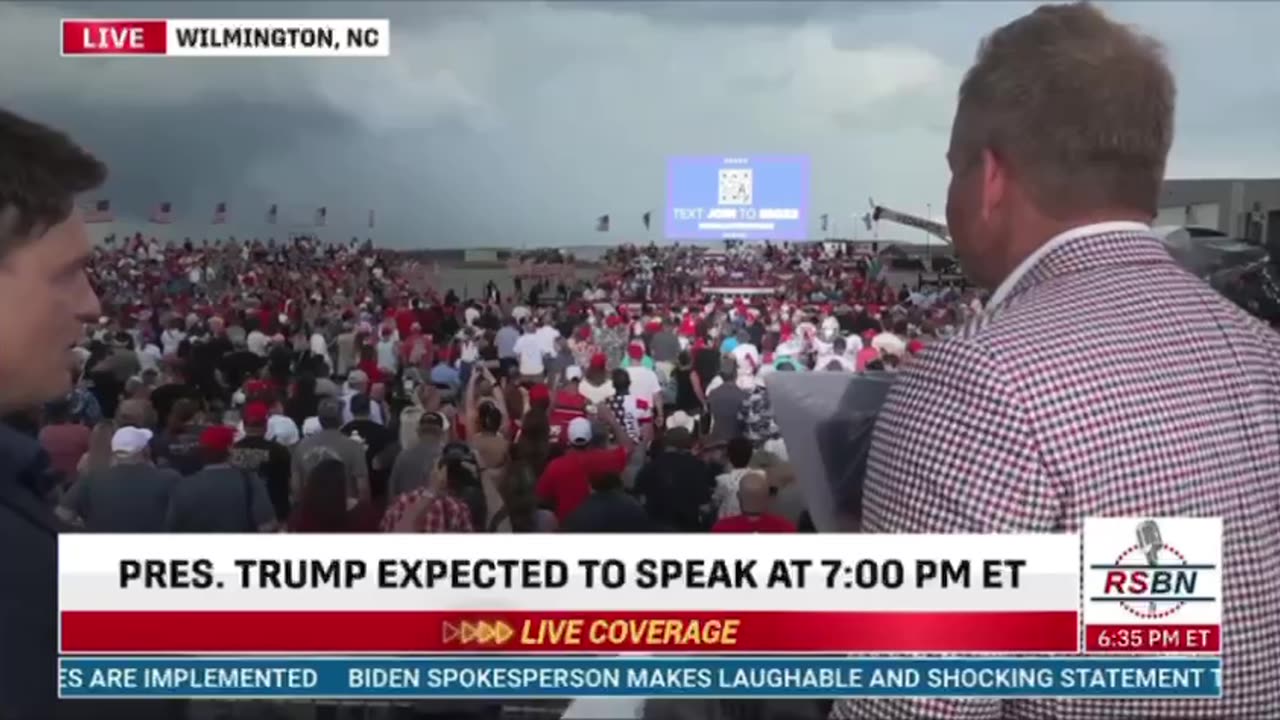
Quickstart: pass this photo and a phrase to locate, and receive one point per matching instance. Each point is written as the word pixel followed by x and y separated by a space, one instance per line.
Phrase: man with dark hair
pixel 267 458
pixel 609 509
pixel 45 298
pixel 373 436
pixel 676 484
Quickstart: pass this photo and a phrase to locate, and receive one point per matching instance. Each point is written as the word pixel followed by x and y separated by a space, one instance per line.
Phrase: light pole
pixel 928 240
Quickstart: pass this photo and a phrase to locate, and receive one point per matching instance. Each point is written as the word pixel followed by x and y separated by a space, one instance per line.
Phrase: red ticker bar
pixel 569 631
pixel 1179 639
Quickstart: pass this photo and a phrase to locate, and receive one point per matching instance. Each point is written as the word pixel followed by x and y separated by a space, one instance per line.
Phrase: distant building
pixel 1248 209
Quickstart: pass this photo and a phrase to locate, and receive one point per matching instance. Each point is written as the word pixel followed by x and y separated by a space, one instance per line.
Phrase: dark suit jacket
pixel 28 584
pixel 29 600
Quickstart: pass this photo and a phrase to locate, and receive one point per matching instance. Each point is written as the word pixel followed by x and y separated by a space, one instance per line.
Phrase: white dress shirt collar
pixel 1055 242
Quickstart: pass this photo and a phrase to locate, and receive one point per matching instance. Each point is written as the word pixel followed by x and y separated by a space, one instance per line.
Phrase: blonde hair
pixel 1079 107
pixel 99 455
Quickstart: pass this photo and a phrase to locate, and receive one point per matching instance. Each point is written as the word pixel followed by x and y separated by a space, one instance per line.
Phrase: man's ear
pixel 995 183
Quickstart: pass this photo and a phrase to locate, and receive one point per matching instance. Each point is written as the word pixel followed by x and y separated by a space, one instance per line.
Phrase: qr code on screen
pixel 735 186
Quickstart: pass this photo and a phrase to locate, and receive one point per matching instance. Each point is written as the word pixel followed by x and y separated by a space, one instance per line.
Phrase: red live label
pixel 1181 639
pixel 114 37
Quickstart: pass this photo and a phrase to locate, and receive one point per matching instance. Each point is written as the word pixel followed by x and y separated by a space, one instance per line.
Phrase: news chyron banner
pixel 529 616
pixel 97 37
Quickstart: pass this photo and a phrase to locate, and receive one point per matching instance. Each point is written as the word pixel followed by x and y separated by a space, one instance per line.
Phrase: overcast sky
pixel 518 123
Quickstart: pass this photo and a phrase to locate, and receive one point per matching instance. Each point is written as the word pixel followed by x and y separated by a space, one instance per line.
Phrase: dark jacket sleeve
pixel 28 619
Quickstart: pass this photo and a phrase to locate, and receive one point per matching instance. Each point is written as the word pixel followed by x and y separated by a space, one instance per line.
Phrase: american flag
pixel 272 212
pixel 602 223
pixel 320 216
pixel 163 214
pixel 647 218
pixel 220 213
pixel 100 213
pixel 370 218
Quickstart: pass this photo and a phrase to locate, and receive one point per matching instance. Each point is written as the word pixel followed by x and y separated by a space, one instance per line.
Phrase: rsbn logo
pixel 1151 579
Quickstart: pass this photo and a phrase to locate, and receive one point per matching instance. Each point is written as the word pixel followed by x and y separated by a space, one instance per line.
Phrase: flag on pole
pixel 321 214
pixel 220 213
pixel 602 223
pixel 163 214
pixel 272 213
pixel 647 217
pixel 868 221
pixel 824 219
pixel 875 269
pixel 370 218
pixel 99 213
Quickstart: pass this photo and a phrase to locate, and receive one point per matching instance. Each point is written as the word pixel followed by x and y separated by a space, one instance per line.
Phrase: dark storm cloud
pixel 764 12
pixel 406 13
pixel 517 122
pixel 193 155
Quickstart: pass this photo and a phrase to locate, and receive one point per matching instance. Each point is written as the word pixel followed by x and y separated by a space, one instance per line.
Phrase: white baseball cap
pixel 579 431
pixel 130 440
pixel 573 372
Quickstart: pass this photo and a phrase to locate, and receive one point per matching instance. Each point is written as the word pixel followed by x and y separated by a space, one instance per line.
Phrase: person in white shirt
pixel 724 498
pixel 471 315
pixel 149 357
pixel 837 359
pixel 358 384
pixel 529 351
pixel 388 350
pixel 171 338
pixel 830 328
pixel 547 335
pixel 746 355
pixel 257 342
pixel 320 347
pixel 889 344
pixel 597 386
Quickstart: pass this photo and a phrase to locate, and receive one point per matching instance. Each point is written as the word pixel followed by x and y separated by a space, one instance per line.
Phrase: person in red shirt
pixel 566 483
pixel 754 499
pixel 405 317
pixel 568 405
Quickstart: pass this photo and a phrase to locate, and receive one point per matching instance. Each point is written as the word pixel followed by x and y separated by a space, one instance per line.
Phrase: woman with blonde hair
pixel 99 455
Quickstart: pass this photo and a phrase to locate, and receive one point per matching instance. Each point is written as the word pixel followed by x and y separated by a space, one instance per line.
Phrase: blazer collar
pixel 1090 252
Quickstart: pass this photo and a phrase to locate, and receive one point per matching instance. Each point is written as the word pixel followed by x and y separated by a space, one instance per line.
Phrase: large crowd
pixel 307 387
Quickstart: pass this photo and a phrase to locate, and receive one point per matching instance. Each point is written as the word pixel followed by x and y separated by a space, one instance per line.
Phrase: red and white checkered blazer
pixel 1108 382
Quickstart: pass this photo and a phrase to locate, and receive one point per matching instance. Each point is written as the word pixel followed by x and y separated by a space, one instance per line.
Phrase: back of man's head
pixel 753 493
pixel 431 425
pixel 621 381
pixel 358 381
pixel 739 451
pixel 360 405
pixel 329 413
pixel 606 482
pixel 41 172
pixel 728 368
pixel 1078 108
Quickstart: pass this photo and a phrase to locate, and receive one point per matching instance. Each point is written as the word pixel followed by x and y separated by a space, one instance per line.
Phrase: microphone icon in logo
pixel 1150 543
